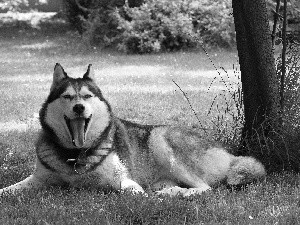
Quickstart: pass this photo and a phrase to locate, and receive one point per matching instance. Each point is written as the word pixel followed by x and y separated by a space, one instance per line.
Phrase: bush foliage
pixel 172 25
pixel 214 21
pixel 93 18
pixel 153 25
pixel 81 14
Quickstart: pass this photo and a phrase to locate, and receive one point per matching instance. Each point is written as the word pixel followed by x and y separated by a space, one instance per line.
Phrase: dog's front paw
pixel 196 191
pixel 186 192
pixel 132 186
pixel 173 191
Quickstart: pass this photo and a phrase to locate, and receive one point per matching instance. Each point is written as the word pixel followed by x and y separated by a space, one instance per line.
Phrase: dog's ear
pixel 58 75
pixel 89 73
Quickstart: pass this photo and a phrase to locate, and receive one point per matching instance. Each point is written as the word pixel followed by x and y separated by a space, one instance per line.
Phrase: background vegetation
pixel 153 26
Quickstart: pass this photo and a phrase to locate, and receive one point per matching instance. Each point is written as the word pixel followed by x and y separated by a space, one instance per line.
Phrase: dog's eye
pixel 67 96
pixel 87 96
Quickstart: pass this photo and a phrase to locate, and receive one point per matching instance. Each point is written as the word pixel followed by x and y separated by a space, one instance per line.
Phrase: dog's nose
pixel 78 108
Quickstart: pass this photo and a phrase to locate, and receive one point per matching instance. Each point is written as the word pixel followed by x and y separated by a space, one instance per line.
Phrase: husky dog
pixel 82 144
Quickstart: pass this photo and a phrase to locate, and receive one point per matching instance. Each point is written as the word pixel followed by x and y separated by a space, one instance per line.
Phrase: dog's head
pixel 75 111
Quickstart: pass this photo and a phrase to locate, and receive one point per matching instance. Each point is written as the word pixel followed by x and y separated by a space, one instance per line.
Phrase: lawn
pixel 140 88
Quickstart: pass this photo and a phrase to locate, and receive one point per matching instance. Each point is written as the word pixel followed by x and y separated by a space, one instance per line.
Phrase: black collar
pixel 89 158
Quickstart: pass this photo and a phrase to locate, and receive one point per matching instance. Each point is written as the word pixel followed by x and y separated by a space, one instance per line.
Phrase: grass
pixel 140 88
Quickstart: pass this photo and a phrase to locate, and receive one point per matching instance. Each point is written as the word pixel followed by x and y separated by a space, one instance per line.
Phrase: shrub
pixel 82 13
pixel 77 13
pixel 214 21
pixel 100 28
pixel 172 25
pixel 93 19
pixel 155 26
pixel 152 25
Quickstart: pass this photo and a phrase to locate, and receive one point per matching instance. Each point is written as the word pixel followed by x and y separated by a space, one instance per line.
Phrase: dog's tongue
pixel 77 126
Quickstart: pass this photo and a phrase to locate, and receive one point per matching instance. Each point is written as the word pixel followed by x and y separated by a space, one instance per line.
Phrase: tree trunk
pixel 261 133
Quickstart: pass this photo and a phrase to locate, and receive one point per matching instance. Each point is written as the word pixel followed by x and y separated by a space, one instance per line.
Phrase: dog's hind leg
pixel 182 174
pixel 178 162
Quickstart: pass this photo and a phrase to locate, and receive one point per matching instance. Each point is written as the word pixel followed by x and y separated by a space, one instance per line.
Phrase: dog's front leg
pixel 41 177
pixel 116 173
pixel 128 184
pixel 30 182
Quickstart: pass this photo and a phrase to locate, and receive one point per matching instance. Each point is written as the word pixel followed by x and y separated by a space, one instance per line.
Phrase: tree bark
pixel 260 84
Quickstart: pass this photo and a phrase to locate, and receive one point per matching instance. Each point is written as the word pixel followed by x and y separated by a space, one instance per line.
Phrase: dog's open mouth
pixel 78 128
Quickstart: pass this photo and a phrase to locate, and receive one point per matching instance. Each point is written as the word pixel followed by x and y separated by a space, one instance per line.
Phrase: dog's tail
pixel 245 170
